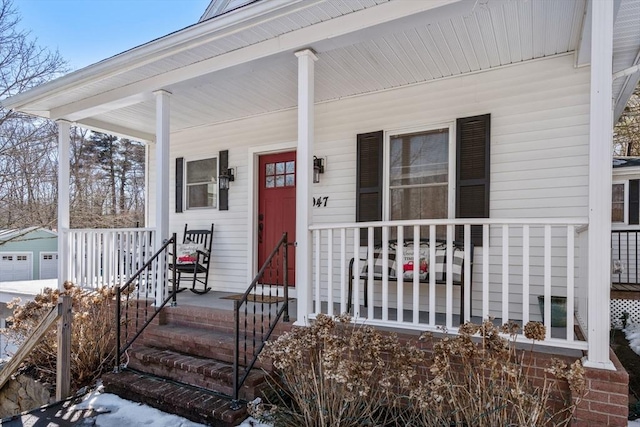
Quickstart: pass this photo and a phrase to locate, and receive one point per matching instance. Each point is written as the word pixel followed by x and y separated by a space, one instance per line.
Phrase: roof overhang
pixel 241 63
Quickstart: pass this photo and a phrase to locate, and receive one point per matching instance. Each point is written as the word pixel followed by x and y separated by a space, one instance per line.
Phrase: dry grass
pixel 335 373
pixel 92 334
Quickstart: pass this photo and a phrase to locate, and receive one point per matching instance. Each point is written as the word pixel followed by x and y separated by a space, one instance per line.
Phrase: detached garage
pixel 28 254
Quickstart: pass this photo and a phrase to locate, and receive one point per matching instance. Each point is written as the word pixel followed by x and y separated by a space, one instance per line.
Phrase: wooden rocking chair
pixel 195 265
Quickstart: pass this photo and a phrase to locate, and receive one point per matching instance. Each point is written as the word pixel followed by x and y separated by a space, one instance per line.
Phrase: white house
pixel 442 119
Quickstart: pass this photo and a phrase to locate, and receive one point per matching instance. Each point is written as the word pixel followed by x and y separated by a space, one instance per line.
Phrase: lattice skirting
pixel 620 306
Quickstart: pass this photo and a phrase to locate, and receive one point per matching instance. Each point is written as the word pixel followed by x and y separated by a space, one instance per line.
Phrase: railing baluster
pixel 449 278
pixel 329 272
pixel 628 278
pixel 400 274
pixel 385 273
pixel 525 275
pixel 343 270
pixel 485 270
pixel 318 304
pixel 370 273
pixel 547 279
pixel 355 297
pixel 619 256
pixel 505 273
pixel 416 274
pixel 432 275
pixel 467 274
pixel 570 279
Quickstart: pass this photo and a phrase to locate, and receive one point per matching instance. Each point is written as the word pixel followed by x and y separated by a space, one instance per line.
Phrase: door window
pixel 280 174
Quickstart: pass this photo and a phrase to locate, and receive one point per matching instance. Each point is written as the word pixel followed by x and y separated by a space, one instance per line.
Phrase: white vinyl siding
pixel 539 150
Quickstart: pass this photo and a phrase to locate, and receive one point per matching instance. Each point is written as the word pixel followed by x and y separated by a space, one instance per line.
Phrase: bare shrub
pixel 338 374
pixel 486 382
pixel 335 373
pixel 92 334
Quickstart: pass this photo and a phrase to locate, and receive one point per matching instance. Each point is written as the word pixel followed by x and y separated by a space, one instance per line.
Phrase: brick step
pixel 197 371
pixel 195 404
pixel 219 320
pixel 200 342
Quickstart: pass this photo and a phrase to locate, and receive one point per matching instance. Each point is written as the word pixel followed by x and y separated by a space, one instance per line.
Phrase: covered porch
pixel 311 76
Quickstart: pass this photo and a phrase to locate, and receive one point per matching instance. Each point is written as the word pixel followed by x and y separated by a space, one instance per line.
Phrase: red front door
pixel 277 209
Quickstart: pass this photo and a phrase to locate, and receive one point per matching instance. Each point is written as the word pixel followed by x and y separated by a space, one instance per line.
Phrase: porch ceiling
pixel 373 49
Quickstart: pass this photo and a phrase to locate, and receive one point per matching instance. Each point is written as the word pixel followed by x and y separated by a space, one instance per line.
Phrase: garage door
pixel 48 265
pixel 15 267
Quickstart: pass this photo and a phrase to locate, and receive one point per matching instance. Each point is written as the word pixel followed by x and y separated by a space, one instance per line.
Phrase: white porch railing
pixel 517 261
pixel 105 257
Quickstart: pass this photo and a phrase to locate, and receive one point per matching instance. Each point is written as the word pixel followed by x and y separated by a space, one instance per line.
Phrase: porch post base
pixel 299 322
pixel 608 365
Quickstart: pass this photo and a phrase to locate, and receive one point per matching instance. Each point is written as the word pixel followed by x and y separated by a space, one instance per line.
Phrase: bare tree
pixel 626 133
pixel 27 161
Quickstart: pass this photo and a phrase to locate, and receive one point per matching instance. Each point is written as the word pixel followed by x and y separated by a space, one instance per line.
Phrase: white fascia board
pixel 170 44
pixel 322 34
pixel 95 105
pixel 120 131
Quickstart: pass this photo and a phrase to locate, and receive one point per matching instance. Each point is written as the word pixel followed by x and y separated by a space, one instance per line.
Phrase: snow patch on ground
pixel 632 332
pixel 117 412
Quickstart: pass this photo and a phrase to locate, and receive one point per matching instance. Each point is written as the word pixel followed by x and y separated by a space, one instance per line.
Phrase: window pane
pixel 270 182
pixel 419 175
pixel 280 168
pixel 204 170
pixel 291 167
pixel 201 196
pixel 617 203
pixel 419 203
pixel 279 181
pixel 420 158
pixel 271 169
pixel 290 180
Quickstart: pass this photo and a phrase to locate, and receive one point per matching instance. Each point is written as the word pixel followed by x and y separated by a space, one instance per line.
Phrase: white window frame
pixel 386 192
pixel 185 184
pixel 625 206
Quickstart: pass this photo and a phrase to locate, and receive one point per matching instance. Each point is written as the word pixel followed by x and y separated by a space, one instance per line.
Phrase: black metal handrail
pixel 624 255
pixel 253 328
pixel 137 289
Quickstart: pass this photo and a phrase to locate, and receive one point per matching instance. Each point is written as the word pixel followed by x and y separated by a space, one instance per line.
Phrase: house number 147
pixel 320 202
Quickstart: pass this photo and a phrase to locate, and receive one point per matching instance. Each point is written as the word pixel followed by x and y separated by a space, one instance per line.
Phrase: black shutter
pixel 223 157
pixel 634 201
pixel 369 182
pixel 179 183
pixel 472 172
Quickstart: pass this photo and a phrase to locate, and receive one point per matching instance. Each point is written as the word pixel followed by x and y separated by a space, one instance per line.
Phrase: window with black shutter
pixel 418 175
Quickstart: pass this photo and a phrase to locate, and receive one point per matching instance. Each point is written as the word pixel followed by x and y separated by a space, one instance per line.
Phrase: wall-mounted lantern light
pixel 226 177
pixel 318 168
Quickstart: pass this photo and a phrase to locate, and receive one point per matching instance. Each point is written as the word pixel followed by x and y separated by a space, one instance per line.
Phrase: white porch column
pixel 162 177
pixel 64 199
pixel 304 160
pixel 600 151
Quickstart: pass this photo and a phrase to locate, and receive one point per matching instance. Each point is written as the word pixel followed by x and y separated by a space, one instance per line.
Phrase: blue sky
pixel 87 31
